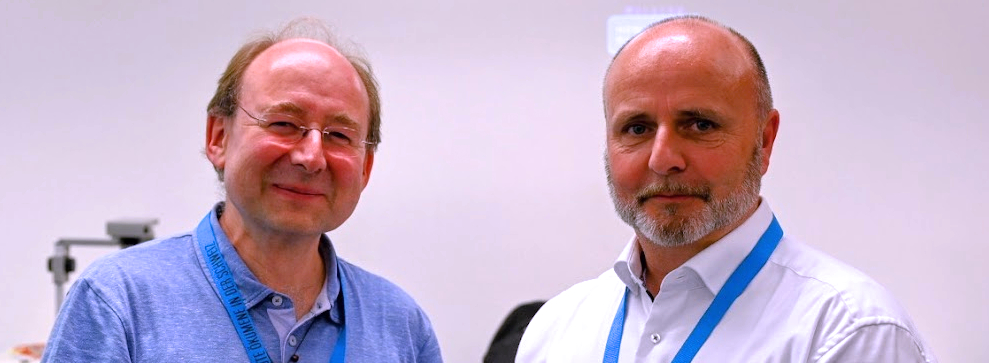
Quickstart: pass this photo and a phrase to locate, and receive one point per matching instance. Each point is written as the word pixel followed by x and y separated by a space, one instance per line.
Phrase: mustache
pixel 673 188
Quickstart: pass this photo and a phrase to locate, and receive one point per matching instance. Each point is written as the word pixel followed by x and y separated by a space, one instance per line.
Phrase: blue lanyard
pixel 733 287
pixel 226 289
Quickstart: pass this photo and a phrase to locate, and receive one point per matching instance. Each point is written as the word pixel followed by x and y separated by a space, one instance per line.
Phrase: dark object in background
pixel 506 341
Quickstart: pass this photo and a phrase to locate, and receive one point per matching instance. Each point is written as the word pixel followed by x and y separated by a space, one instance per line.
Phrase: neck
pixel 661 260
pixel 290 265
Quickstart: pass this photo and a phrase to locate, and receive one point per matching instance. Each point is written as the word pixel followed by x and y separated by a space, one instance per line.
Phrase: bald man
pixel 709 275
pixel 291 132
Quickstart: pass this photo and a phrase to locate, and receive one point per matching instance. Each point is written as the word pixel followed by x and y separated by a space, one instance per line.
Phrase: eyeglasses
pixel 288 130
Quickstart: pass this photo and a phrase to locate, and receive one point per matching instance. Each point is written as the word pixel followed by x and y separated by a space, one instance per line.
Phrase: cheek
pixel 628 170
pixel 250 160
pixel 346 171
pixel 722 168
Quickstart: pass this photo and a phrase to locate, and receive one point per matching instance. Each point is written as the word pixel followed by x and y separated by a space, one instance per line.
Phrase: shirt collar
pixel 253 290
pixel 714 264
pixel 628 267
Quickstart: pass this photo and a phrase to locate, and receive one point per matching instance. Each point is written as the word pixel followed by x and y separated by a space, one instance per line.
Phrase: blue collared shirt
pixel 153 303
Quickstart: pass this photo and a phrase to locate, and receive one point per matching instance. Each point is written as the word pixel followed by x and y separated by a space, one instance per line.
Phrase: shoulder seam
pixel 872 322
pixel 103 300
pixel 834 289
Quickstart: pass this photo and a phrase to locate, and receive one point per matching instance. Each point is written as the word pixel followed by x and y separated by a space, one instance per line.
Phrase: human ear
pixel 216 141
pixel 368 162
pixel 768 136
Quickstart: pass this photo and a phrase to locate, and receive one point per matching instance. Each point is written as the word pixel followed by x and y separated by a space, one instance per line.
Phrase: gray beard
pixel 682 230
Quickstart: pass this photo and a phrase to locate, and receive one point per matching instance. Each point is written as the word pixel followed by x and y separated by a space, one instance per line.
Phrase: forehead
pixel 675 56
pixel 308 74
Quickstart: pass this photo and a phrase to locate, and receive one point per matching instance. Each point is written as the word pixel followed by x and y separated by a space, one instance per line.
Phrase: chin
pixel 672 231
pixel 298 224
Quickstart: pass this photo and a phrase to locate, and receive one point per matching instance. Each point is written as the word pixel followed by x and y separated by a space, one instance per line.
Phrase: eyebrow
pixel 699 113
pixel 297 111
pixel 287 108
pixel 346 122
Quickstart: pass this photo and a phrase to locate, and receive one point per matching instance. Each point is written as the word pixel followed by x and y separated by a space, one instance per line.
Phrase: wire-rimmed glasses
pixel 289 130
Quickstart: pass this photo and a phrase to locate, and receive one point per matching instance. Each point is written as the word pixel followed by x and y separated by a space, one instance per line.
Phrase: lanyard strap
pixel 733 287
pixel 615 335
pixel 226 289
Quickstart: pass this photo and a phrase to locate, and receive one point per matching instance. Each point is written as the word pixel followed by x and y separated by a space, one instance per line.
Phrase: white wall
pixel 488 190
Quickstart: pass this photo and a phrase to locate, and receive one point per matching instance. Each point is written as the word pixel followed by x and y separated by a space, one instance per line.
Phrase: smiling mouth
pixel 673 192
pixel 671 197
pixel 297 190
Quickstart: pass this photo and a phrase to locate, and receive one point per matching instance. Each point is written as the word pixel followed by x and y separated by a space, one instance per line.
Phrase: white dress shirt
pixel 803 306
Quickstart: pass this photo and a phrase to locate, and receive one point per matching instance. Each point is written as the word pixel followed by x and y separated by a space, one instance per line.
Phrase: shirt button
pixel 277 300
pixel 292 341
pixel 655 338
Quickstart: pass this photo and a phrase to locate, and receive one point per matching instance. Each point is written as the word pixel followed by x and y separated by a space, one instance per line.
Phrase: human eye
pixel 340 136
pixel 281 125
pixel 636 129
pixel 701 125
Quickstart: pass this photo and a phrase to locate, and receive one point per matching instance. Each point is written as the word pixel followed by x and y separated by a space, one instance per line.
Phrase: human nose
pixel 308 152
pixel 666 157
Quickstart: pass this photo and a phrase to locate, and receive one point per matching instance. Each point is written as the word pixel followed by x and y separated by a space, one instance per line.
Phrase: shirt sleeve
pixel 536 338
pixel 430 351
pixel 87 330
pixel 427 347
pixel 884 342
pixel 573 314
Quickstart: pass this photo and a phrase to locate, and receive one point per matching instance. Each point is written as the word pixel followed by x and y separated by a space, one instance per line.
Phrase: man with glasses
pixel 291 132
pixel 709 275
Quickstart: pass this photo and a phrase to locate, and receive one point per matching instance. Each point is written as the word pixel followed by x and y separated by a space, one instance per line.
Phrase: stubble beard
pixel 680 229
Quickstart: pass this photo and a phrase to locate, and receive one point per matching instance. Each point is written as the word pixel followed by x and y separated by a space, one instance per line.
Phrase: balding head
pixel 690 31
pixel 226 97
pixel 690 131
